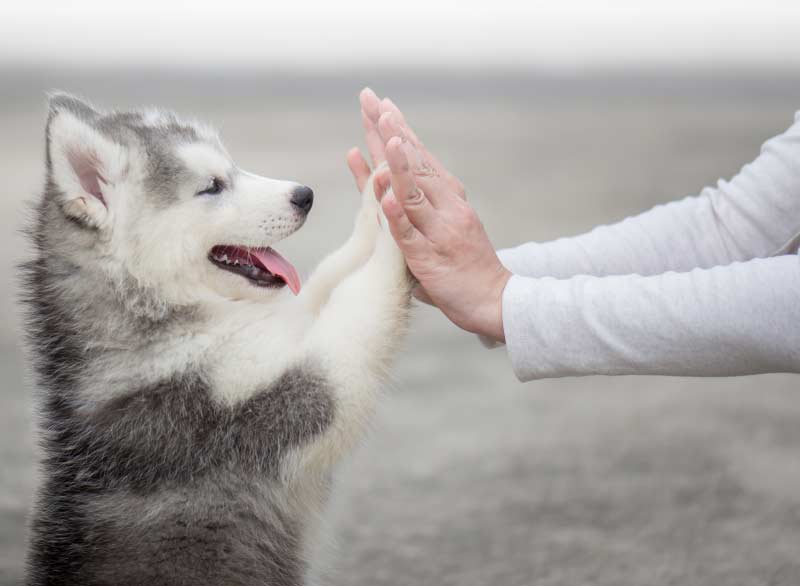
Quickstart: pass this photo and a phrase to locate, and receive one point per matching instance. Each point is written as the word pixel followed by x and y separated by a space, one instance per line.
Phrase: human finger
pixel 358 167
pixel 375 144
pixel 416 206
pixel 410 241
pixel 405 130
pixel 388 127
pixel 370 104
pixel 381 182
pixel 425 175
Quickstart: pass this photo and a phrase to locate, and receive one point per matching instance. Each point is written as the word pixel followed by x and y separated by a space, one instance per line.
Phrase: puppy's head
pixel 158 199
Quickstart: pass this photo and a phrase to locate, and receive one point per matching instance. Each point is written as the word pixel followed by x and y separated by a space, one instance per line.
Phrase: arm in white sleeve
pixel 739 319
pixel 755 215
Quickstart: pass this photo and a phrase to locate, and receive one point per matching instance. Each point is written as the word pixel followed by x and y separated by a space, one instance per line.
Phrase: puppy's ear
pixel 81 162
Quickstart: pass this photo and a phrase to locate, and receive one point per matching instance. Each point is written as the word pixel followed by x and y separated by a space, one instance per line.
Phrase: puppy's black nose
pixel 302 198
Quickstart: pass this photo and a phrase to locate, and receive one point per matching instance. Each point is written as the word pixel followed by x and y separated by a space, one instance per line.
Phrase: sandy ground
pixel 470 477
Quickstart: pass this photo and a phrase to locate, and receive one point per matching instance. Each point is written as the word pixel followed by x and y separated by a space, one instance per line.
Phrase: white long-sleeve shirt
pixel 705 286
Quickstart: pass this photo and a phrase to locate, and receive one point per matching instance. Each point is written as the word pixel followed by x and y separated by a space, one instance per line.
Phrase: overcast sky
pixel 575 34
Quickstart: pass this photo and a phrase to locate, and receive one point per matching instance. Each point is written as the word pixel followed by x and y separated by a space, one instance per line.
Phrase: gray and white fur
pixel 189 415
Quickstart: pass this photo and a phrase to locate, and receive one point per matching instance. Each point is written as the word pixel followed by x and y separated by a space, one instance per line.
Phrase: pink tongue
pixel 277 265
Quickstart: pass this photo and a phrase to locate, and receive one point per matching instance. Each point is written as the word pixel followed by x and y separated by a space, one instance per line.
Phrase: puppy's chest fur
pixel 166 471
pixel 175 430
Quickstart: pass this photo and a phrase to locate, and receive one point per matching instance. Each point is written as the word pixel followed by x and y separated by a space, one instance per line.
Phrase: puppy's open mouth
pixel 263 267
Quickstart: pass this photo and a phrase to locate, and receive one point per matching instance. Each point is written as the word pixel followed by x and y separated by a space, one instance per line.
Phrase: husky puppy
pixel 191 407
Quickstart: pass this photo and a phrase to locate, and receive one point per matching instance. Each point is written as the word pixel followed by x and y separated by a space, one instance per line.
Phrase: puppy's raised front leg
pixel 356 336
pixel 351 255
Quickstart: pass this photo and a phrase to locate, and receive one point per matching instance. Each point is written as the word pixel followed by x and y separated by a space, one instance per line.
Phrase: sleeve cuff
pixel 516 296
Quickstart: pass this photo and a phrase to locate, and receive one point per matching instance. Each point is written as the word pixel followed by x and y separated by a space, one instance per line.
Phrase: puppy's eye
pixel 214 188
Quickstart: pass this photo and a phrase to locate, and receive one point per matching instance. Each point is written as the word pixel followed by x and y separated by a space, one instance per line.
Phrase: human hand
pixel 372 108
pixel 440 235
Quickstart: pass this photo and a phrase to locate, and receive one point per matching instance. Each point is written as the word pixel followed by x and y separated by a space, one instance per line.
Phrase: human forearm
pixel 732 320
pixel 678 236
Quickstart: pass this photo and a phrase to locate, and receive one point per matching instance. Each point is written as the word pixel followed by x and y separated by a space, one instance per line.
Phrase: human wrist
pixel 491 314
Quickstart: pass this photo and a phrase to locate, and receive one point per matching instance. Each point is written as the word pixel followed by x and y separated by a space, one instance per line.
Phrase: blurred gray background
pixel 470 477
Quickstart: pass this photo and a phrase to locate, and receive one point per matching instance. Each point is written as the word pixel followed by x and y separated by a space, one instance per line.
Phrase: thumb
pixel 381 183
pixel 358 167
